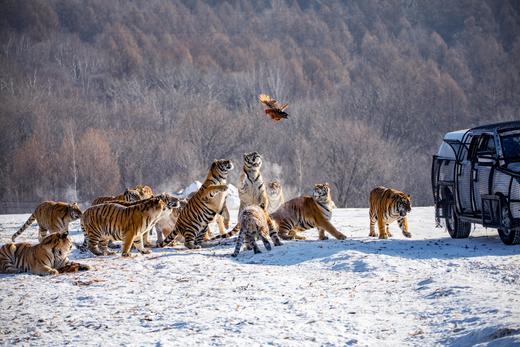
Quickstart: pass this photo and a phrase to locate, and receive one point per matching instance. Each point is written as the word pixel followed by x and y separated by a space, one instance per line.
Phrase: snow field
pixel 426 290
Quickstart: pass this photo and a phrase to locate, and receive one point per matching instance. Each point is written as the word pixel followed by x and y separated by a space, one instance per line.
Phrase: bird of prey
pixel 274 109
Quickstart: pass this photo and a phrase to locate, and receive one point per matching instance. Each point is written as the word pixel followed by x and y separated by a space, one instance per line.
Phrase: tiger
pixel 166 224
pixel 221 219
pixel 51 216
pixel 202 207
pixel 145 192
pixel 387 205
pixel 306 212
pixel 128 195
pixel 49 257
pixel 275 195
pixel 251 189
pixel 255 223
pixel 113 221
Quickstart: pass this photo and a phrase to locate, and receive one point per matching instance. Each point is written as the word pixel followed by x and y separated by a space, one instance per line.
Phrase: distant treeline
pixel 97 95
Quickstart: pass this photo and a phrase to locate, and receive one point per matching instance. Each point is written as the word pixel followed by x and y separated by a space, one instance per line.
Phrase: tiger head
pixel 132 195
pixel 252 160
pixel 274 188
pixel 145 192
pixel 170 201
pixel 321 192
pixel 60 245
pixel 74 211
pixel 221 167
pixel 404 204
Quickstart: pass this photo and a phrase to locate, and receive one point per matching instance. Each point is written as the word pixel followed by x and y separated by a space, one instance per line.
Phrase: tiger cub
pixel 49 257
pixel 202 207
pixel 128 195
pixel 275 195
pixel 386 206
pixel 307 212
pixel 251 189
pixel 51 216
pixel 112 221
pixel 255 223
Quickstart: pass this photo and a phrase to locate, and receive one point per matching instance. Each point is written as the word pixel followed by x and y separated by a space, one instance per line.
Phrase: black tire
pixel 508 235
pixel 455 227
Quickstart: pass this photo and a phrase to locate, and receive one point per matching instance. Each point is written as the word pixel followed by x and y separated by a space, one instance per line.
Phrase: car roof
pixel 459 134
pixel 498 126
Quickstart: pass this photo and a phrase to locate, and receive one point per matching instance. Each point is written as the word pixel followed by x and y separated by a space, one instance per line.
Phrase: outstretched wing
pixel 266 100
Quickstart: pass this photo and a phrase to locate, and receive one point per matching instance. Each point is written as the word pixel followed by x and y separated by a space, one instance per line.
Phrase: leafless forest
pixel 98 95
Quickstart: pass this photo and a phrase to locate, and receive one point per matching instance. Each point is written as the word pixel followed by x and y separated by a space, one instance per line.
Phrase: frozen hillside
pixel 422 291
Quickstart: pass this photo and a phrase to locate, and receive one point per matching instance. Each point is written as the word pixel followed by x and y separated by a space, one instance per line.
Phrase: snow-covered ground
pixel 426 290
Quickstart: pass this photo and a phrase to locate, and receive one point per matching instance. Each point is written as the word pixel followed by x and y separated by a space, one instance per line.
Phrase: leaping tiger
pixel 201 209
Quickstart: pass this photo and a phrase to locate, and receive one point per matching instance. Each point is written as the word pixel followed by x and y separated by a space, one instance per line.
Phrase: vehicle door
pixel 463 182
pixel 484 157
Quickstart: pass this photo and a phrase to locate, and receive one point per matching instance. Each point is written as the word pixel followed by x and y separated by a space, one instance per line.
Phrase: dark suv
pixel 476 179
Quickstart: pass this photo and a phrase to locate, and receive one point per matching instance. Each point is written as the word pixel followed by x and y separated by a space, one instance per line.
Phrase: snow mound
pixel 193 187
pixel 233 201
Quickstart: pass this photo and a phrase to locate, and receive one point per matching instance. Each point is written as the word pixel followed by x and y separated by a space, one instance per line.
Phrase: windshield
pixel 511 145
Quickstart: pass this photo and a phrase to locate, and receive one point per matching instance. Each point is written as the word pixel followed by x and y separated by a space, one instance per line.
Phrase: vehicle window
pixel 511 146
pixel 486 145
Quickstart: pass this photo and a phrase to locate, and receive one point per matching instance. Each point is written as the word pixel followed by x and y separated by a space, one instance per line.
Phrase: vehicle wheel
pixel 456 228
pixel 507 234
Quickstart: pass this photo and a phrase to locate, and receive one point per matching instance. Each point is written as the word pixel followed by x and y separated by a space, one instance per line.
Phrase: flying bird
pixel 273 110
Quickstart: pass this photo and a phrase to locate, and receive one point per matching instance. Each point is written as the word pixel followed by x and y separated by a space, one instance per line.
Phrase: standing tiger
pixel 145 192
pixel 251 189
pixel 51 216
pixel 202 207
pixel 113 221
pixel 386 206
pixel 128 195
pixel 307 212
pixel 255 223
pixel 275 195
pixel 49 257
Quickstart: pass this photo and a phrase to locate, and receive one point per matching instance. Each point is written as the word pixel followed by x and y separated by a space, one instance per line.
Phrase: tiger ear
pixel 64 235
pixel 409 196
pixel 326 184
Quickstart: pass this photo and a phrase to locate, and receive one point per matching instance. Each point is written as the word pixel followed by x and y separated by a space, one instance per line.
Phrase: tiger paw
pixel 126 255
pixel 324 237
pixel 83 267
pixel 383 236
pixel 341 237
pixel 52 272
pixel 407 234
pixel 298 237
pixel 145 251
pixel 372 235
pixel 191 245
